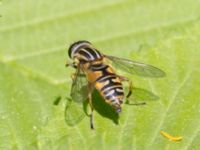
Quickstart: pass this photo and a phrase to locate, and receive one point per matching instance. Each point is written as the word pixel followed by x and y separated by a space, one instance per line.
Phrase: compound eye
pixel 69 52
pixel 76 46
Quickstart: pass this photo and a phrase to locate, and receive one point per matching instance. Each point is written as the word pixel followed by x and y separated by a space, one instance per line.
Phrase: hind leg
pixel 92 109
pixel 122 78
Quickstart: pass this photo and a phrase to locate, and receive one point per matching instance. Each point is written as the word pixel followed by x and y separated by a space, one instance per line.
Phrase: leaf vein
pixel 164 115
pixel 98 40
pixel 59 17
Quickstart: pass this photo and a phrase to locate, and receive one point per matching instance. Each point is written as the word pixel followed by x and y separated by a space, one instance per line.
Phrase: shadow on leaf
pixel 57 100
pixel 75 112
pixel 103 108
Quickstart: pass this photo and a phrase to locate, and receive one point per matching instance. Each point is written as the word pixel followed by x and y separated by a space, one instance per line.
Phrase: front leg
pixel 74 65
pixel 90 90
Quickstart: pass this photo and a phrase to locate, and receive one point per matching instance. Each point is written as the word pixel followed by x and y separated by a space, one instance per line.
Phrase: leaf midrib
pixel 100 40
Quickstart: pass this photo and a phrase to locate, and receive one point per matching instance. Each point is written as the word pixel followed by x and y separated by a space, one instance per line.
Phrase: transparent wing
pixel 74 112
pixel 136 68
pixel 79 89
pixel 141 95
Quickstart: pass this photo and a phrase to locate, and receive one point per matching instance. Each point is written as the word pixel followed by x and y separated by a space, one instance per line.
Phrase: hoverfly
pixel 92 72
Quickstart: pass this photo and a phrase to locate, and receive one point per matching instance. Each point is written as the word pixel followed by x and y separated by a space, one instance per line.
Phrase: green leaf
pixel 34 39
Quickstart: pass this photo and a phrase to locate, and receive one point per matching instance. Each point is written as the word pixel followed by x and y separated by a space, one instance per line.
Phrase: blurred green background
pixel 34 38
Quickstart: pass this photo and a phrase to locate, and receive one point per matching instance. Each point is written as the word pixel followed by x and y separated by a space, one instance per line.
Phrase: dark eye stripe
pixel 94 52
pixel 86 54
pixel 74 48
pixel 100 55
pixel 89 53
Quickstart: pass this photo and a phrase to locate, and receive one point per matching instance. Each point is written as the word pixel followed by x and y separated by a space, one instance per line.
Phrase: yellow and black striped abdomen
pixel 109 85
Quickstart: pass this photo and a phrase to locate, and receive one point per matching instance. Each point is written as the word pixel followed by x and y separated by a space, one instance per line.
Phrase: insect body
pixel 92 71
pixel 98 74
pixel 107 83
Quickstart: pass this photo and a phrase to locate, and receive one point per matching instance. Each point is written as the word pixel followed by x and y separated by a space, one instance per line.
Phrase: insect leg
pixel 130 89
pixel 90 89
pixel 130 85
pixel 91 115
pixel 122 78
pixel 73 76
pixel 71 65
